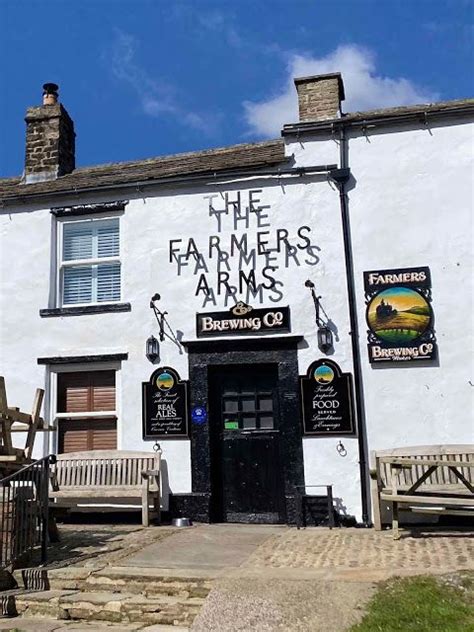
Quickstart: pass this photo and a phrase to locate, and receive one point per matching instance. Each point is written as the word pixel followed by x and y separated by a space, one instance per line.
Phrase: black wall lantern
pixel 325 341
pixel 152 349
pixel 325 337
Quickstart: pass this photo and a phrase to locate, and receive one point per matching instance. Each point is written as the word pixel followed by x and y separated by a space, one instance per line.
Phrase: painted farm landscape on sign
pixel 399 315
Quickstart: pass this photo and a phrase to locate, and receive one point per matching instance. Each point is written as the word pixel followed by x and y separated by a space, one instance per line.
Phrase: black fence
pixel 24 513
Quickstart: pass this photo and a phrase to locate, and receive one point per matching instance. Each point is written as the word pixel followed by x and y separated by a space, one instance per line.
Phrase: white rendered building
pixel 356 224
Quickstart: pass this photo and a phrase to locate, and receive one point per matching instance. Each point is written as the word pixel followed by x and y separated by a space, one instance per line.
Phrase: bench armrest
pixel 54 481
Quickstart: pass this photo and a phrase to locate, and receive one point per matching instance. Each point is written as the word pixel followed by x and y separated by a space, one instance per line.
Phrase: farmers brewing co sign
pixel 399 315
pixel 165 405
pixel 243 320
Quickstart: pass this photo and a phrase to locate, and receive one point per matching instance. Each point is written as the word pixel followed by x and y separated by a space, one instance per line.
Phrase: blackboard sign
pixel 327 400
pixel 243 319
pixel 165 405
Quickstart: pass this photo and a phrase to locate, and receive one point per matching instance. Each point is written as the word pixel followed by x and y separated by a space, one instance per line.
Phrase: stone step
pixel 149 582
pixel 120 607
pixel 53 625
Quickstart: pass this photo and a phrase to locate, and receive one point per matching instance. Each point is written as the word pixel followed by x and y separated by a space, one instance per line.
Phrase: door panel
pixel 248 481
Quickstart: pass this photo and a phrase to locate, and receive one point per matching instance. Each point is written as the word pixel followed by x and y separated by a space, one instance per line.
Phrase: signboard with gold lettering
pixel 165 405
pixel 399 315
pixel 327 400
pixel 243 319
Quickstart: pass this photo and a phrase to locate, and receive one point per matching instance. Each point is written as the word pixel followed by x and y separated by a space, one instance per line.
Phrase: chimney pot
pixel 50 93
pixel 320 96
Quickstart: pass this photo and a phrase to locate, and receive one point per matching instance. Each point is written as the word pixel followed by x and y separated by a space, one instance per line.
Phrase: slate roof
pixel 251 156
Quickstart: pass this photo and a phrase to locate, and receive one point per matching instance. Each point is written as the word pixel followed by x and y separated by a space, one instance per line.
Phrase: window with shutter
pixel 90 262
pixel 86 411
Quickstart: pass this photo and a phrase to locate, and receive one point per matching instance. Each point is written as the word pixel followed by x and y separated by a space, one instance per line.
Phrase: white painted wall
pixel 411 206
pixel 147 225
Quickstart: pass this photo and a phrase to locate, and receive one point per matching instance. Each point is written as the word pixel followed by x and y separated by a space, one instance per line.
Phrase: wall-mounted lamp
pixel 164 331
pixel 152 349
pixel 325 341
pixel 325 337
pixel 160 316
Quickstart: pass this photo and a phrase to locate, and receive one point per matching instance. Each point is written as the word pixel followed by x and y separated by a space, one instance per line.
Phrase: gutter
pixel 373 121
pixel 341 176
pixel 140 185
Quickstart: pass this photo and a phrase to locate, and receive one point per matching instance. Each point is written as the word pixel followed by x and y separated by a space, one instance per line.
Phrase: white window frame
pixel 61 264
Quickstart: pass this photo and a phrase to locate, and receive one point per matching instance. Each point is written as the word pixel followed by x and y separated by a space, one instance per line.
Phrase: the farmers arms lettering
pixel 242 259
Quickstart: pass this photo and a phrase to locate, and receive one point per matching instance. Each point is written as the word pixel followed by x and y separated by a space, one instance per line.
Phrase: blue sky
pixel 144 78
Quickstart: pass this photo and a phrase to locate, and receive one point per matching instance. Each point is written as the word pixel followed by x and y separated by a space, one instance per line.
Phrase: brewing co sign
pixel 399 315
pixel 243 320
pixel 165 405
pixel 327 400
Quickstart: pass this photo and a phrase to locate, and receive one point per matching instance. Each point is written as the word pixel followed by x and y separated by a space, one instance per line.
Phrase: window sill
pixel 85 309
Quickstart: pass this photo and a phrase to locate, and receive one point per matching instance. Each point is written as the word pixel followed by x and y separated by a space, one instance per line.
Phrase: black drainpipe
pixel 340 177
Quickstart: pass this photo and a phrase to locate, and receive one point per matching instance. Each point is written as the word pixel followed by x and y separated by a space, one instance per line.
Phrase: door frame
pixel 266 350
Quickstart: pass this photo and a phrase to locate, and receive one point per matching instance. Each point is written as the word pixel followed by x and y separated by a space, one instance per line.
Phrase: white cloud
pixel 364 88
pixel 156 98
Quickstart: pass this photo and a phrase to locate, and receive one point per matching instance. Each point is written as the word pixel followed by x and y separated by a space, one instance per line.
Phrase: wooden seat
pixel 80 478
pixel 437 479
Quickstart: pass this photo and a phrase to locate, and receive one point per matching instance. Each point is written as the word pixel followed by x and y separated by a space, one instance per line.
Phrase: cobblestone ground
pixel 312 548
pixel 315 548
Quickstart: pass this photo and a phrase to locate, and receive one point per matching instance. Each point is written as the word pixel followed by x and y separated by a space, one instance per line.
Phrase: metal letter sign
pixel 327 400
pixel 165 405
pixel 399 315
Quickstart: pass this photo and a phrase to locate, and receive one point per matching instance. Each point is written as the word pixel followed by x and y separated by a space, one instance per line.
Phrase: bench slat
pixel 429 500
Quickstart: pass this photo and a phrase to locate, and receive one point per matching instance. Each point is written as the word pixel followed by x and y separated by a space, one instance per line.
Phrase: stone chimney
pixel 50 139
pixel 320 96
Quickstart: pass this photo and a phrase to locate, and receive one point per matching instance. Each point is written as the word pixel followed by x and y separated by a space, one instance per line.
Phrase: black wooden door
pixel 248 481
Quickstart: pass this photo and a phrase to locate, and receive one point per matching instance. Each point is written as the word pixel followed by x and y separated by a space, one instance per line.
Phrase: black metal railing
pixel 24 513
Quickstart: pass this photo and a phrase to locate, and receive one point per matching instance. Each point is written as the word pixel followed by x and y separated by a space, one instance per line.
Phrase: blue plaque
pixel 199 415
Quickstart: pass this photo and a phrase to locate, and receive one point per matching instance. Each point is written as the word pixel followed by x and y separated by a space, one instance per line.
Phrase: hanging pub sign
pixel 243 319
pixel 165 405
pixel 399 315
pixel 327 400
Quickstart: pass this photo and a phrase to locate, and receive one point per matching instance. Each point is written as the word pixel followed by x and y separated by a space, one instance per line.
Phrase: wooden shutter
pixel 85 392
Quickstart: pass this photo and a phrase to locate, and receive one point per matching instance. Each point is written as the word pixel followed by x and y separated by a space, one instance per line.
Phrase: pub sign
pixel 165 405
pixel 327 400
pixel 399 315
pixel 243 319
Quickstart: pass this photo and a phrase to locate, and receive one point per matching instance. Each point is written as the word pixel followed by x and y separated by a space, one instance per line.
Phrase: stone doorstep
pixel 112 607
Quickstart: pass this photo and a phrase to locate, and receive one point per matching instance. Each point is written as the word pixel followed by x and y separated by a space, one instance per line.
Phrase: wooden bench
pixel 437 479
pixel 84 478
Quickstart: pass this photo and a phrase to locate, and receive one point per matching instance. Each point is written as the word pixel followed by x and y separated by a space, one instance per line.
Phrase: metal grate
pixel 24 512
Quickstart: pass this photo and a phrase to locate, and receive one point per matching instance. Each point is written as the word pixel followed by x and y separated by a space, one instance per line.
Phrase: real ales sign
pixel 399 315
pixel 165 405
pixel 327 400
pixel 243 320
